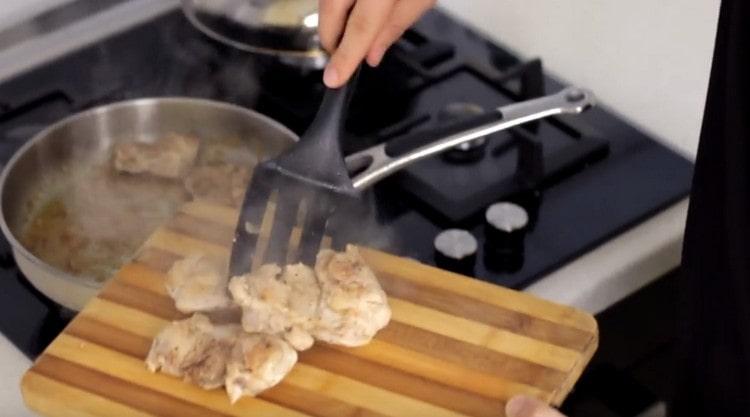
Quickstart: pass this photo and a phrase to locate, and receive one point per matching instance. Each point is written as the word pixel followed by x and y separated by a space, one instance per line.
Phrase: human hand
pixel 523 406
pixel 366 28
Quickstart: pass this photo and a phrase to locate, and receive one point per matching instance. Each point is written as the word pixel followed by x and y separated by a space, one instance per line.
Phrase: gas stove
pixel 580 180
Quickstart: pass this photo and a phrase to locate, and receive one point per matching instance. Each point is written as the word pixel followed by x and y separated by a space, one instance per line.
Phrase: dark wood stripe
pixel 401 382
pixel 475 310
pixel 118 390
pixel 140 299
pixel 202 229
pixel 471 356
pixel 110 337
pixel 313 403
pixel 137 346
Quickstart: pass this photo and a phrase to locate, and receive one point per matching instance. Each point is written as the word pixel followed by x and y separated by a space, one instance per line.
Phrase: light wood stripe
pixel 138 299
pixel 49 397
pixel 130 319
pixel 480 334
pixel 115 317
pixel 112 363
pixel 511 300
pixel 207 231
pixel 479 311
pixel 145 276
pixel 211 213
pixel 184 245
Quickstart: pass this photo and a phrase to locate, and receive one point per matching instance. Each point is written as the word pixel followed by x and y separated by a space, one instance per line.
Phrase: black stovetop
pixel 583 179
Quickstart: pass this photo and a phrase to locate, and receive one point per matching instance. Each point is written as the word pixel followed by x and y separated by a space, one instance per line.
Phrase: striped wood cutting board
pixel 455 347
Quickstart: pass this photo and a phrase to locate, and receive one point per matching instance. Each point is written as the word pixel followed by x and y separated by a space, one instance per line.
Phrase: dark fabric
pixel 715 368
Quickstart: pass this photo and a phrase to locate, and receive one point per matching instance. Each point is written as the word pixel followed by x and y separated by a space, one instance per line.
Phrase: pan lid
pixel 284 28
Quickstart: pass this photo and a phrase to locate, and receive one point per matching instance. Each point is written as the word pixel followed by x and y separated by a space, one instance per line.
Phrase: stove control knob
pixel 505 225
pixel 505 230
pixel 456 250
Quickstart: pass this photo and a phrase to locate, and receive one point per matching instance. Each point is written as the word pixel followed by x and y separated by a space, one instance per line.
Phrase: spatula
pixel 314 176
pixel 306 185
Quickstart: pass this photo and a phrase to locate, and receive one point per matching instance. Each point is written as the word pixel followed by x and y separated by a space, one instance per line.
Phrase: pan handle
pixel 374 164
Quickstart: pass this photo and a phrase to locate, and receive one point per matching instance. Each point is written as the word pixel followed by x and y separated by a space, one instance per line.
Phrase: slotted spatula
pixel 314 176
pixel 307 184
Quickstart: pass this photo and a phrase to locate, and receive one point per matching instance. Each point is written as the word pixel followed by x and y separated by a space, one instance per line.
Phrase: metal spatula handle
pixel 380 161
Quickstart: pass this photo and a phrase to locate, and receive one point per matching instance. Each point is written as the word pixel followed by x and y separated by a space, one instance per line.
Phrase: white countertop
pixel 593 282
pixel 12 366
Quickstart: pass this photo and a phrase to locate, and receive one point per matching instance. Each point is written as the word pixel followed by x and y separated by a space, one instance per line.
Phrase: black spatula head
pixel 291 198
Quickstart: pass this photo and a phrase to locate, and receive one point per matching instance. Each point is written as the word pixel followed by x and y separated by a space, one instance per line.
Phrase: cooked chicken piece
pixel 197 283
pixel 299 337
pixel 276 301
pixel 353 306
pixel 171 156
pixel 222 184
pixel 195 350
pixel 263 297
pixel 304 294
pixel 257 362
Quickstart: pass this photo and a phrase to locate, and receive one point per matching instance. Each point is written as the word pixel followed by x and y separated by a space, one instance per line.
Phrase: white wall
pixel 649 60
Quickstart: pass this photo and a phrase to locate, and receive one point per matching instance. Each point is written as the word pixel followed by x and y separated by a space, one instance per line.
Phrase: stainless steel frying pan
pixel 48 156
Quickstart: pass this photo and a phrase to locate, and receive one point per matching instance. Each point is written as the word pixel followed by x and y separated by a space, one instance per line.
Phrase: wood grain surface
pixel 456 346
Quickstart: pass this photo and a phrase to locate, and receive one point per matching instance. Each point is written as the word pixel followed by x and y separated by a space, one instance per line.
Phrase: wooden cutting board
pixel 456 346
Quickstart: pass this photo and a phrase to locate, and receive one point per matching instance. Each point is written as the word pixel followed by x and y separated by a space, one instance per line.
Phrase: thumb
pixel 524 406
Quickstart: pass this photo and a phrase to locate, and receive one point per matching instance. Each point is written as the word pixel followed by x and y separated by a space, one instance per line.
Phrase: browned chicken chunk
pixel 278 301
pixel 221 184
pixel 195 350
pixel 170 157
pixel 198 283
pixel 353 306
pixel 258 362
